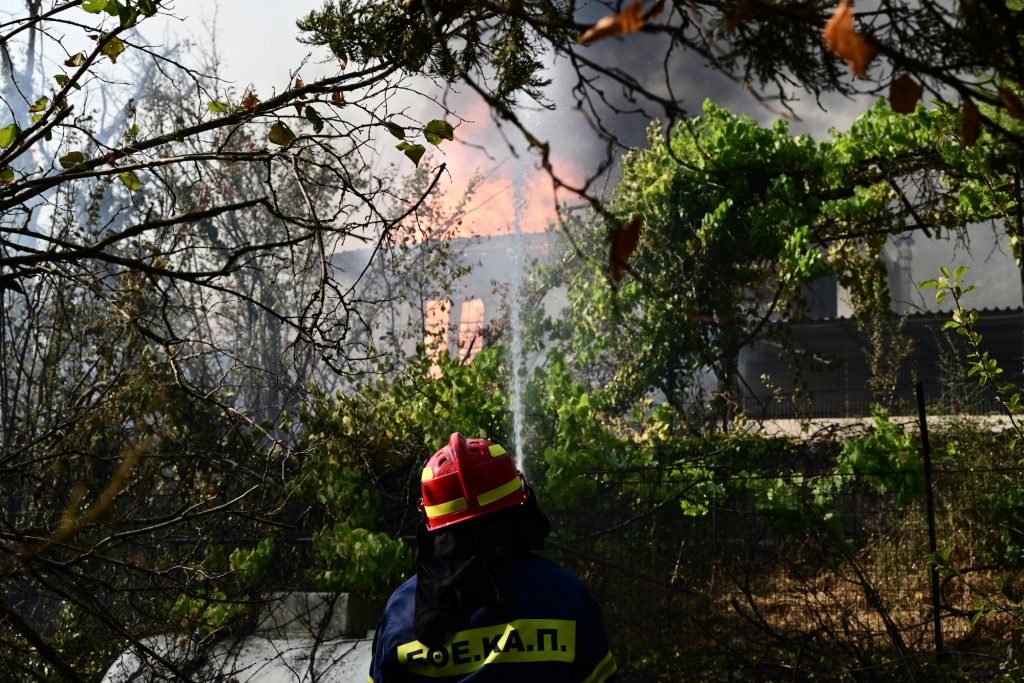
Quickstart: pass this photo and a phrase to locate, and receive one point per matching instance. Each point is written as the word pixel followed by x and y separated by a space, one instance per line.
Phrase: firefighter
pixel 482 606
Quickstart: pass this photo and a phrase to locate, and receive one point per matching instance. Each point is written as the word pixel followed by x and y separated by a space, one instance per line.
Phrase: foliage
pixel 443 41
pixel 887 460
pixel 574 434
pixel 587 443
pixel 1004 547
pixel 358 560
pixel 431 397
pixel 1001 541
pixel 737 219
pixel 168 290
pixel 362 451
pixel 206 612
pixel 249 565
pixel 980 363
pixel 91 536
pixel 157 357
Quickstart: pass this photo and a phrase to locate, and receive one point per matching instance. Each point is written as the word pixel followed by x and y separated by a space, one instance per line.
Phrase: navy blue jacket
pixel 547 629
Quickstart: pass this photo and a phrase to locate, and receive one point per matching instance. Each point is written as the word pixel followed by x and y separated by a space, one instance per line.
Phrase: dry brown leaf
pixel 250 101
pixel 1012 103
pixel 970 123
pixel 855 48
pixel 658 9
pixel 743 13
pixel 624 240
pixel 904 94
pixel 629 20
pixel 338 97
pixel 298 106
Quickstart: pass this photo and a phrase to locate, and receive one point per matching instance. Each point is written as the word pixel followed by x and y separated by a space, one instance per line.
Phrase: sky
pixel 255 38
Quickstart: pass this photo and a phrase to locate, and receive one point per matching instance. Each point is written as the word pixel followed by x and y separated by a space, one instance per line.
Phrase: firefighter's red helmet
pixel 469 478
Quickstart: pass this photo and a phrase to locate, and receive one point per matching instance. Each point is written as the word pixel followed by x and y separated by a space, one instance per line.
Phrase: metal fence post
pixel 929 499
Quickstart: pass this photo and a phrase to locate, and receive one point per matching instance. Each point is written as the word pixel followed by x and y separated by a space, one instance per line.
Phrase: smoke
pixel 485 150
pixel 586 135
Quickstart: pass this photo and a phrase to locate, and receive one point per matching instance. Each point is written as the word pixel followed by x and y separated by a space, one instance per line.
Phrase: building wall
pixel 476 300
pixel 834 374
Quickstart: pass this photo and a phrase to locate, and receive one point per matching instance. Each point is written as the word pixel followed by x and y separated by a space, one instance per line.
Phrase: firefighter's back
pixel 546 629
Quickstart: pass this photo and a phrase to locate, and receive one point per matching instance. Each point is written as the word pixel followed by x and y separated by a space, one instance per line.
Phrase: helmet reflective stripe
pixel 466 479
pixel 488 497
pixel 457 505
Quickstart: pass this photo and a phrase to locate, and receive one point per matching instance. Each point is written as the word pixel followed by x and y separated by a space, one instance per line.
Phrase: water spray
pixel 517 361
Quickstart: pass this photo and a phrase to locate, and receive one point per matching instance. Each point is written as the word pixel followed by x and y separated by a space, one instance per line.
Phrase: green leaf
pixel 128 16
pixel 147 7
pixel 94 6
pixel 313 116
pixel 112 48
pixel 40 105
pixel 75 60
pixel 132 133
pixel 113 8
pixel 281 134
pixel 414 152
pixel 219 107
pixel 6 175
pixel 395 130
pixel 71 159
pixel 8 134
pixel 130 180
pixel 438 130
pixel 63 80
pixel 960 272
pixel 941 558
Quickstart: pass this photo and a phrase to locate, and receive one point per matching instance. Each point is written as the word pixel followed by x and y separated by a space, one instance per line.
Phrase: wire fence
pixel 838 401
pixel 747 588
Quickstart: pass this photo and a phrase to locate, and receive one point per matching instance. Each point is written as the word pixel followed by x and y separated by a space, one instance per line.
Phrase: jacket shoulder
pixel 551 579
pixel 403 595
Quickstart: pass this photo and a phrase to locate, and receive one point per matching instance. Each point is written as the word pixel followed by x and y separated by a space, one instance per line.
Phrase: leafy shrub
pixel 1003 546
pixel 358 560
